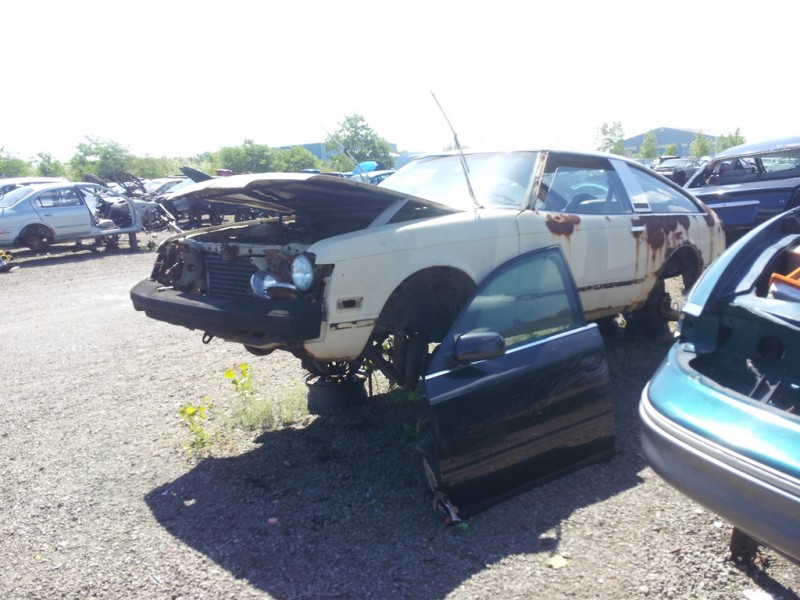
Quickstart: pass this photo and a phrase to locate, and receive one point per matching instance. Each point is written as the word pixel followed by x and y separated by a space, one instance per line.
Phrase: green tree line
pixel 610 137
pixel 101 158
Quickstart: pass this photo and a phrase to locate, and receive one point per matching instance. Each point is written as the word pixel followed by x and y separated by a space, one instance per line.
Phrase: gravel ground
pixel 100 499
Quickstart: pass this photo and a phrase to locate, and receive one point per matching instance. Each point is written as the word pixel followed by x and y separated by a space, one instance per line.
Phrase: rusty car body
pixel 350 273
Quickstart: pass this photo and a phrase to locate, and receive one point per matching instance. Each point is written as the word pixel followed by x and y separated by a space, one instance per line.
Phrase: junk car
pixel 42 214
pixel 350 273
pixel 751 183
pixel 721 415
pixel 9 183
pixel 678 170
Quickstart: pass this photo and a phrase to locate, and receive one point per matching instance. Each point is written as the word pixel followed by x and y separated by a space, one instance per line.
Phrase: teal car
pixel 721 415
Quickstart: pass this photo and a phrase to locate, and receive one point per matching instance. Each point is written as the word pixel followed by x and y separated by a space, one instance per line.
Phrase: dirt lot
pixel 100 499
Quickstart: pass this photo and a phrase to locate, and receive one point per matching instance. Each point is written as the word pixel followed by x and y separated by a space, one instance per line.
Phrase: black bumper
pixel 250 321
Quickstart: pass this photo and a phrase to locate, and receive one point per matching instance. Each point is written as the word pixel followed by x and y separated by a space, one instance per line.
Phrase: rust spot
pixel 709 216
pixel 660 228
pixel 561 224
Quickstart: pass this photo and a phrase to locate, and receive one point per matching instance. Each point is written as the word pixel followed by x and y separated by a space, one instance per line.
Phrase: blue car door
pixel 517 388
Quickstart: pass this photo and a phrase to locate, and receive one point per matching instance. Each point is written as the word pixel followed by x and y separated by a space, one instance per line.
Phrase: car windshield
pixel 672 163
pixel 499 180
pixel 181 184
pixel 11 198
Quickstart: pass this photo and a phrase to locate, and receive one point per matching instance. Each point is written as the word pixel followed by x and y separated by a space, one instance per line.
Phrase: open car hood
pixel 130 183
pixel 310 194
pixel 195 174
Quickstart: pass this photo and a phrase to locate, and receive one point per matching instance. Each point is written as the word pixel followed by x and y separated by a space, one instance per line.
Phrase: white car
pixel 352 273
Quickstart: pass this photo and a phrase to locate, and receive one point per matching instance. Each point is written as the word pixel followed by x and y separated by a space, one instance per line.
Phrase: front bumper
pixel 756 498
pixel 249 321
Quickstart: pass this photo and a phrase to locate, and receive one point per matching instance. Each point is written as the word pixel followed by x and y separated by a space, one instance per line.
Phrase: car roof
pixel 775 145
pixel 28 180
pixel 59 184
pixel 555 150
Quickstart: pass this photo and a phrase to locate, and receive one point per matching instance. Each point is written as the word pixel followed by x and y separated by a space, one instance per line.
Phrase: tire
pixel 111 242
pixel 330 397
pixel 35 242
pixel 652 319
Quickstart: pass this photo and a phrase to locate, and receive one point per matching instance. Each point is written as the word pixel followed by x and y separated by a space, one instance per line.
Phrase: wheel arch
pixel 685 261
pixel 428 300
pixel 34 229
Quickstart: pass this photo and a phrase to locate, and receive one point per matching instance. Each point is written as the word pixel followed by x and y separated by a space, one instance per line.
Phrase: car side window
pixel 581 186
pixel 69 197
pixel 660 196
pixel 530 299
pixel 50 199
pixel 58 198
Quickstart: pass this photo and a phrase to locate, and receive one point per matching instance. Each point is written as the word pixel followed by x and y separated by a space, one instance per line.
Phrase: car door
pixel 581 204
pixel 516 390
pixel 63 210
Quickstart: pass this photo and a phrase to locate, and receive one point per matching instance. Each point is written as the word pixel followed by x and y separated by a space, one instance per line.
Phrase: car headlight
pixel 302 272
pixel 260 282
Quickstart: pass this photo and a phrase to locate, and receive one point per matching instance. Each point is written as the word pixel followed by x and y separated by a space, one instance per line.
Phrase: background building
pixel 666 136
pixel 318 149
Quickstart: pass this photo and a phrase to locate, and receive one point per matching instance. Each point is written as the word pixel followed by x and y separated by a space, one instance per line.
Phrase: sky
pixel 178 78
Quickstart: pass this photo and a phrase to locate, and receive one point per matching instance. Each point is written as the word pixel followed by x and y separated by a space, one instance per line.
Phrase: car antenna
pixel 464 165
pixel 346 152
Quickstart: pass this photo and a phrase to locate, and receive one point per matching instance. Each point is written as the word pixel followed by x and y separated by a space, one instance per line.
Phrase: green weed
pixel 195 416
pixel 254 412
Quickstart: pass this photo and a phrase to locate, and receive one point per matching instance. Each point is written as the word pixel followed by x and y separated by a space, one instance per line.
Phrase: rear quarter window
pixel 660 196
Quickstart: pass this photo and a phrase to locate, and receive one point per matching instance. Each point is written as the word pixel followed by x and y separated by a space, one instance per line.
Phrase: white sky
pixel 177 78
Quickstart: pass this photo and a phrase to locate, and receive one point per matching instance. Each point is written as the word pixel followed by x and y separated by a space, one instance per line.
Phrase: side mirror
pixel 474 346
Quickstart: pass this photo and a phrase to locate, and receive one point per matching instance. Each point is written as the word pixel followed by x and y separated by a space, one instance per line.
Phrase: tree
pixel 701 146
pixel 100 158
pixel 247 158
pixel 671 150
pixel 47 166
pixel 294 159
pixel 358 139
pixel 149 167
pixel 649 147
pixel 609 138
pixel 730 140
pixel 11 166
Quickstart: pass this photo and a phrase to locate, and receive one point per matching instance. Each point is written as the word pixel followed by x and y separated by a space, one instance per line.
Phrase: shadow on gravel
pixel 339 508
pixel 71 253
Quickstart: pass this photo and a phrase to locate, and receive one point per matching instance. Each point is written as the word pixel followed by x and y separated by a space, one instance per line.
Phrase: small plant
pixel 256 413
pixel 242 379
pixel 195 416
